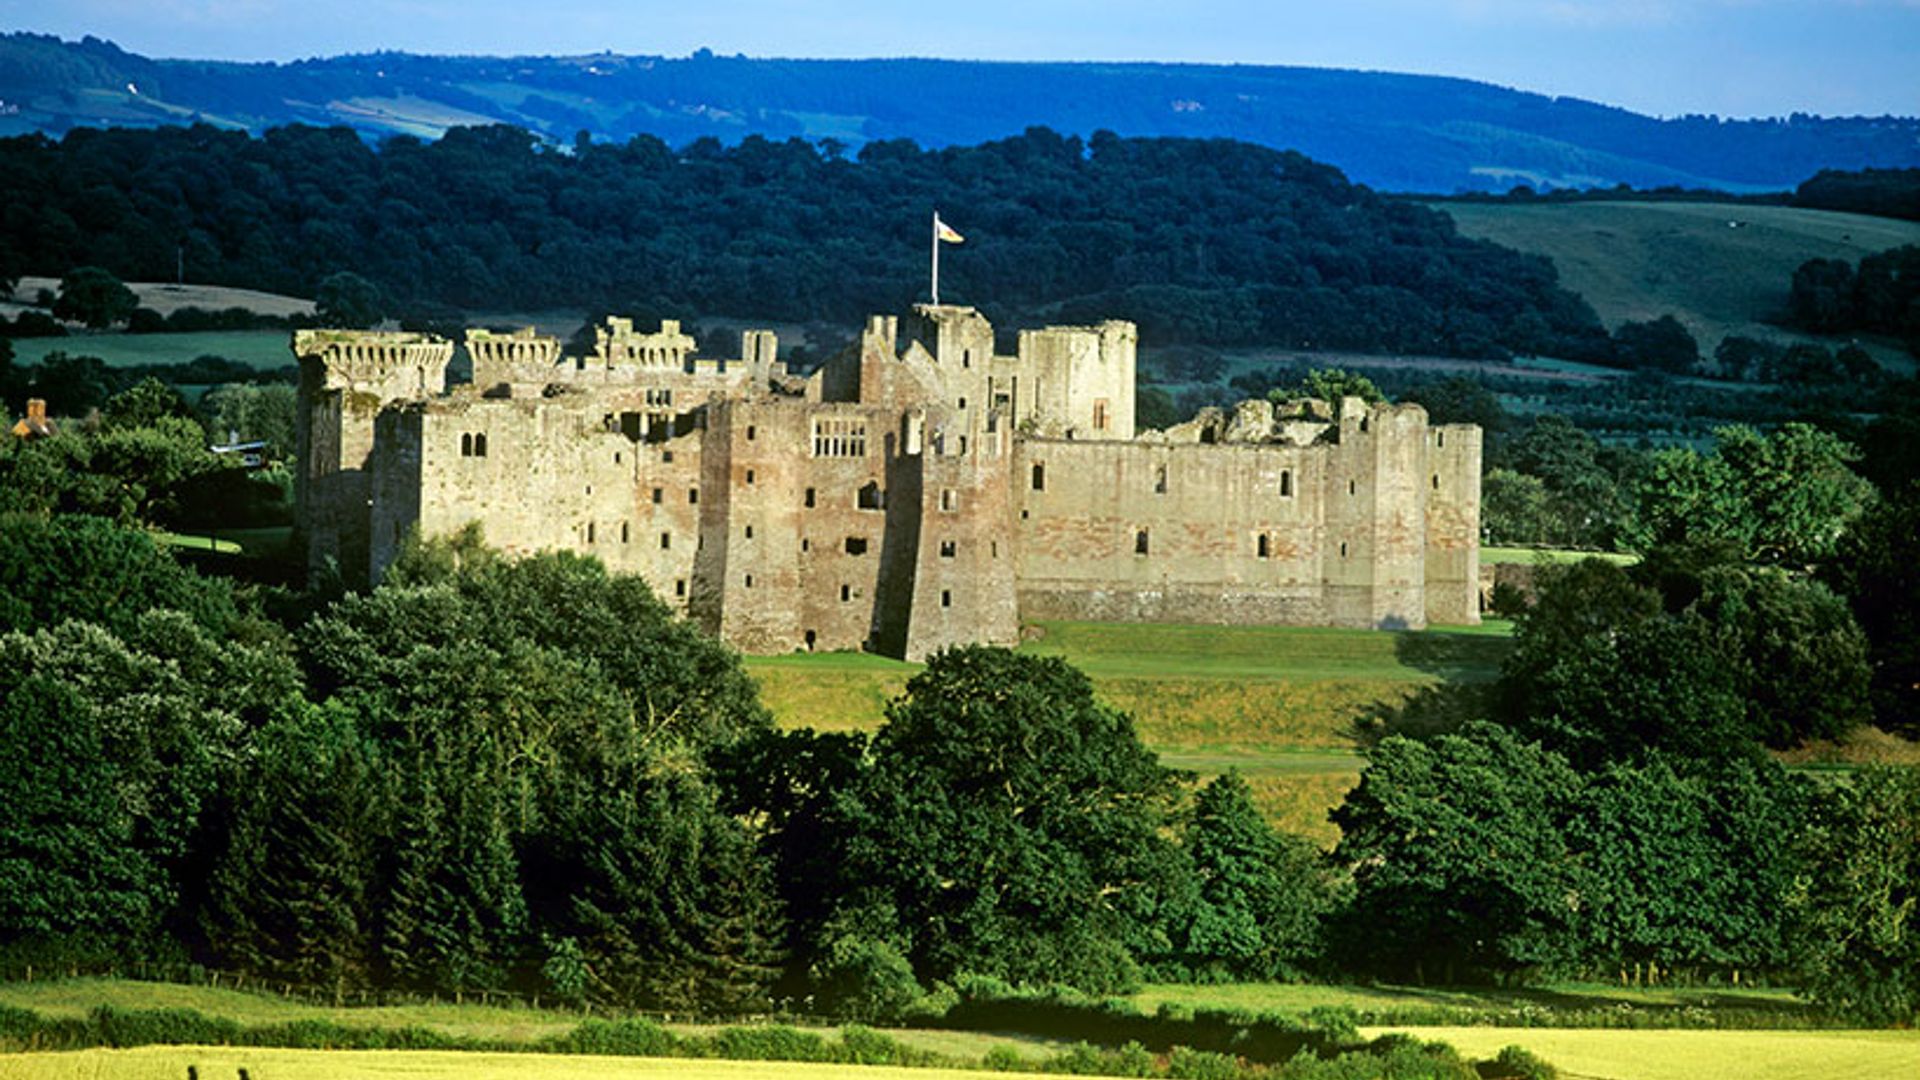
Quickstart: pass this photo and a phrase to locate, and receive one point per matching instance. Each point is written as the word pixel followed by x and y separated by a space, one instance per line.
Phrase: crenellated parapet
pixel 619 345
pixel 387 363
pixel 523 356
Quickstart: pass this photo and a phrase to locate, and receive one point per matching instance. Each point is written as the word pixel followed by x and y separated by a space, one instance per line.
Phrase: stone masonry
pixel 918 491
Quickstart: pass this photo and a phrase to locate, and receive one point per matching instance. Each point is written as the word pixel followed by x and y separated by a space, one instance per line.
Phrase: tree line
pixel 1196 240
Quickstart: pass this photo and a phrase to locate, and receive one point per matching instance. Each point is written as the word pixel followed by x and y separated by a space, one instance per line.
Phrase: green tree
pixel 1877 570
pixel 1864 900
pixel 91 295
pixel 1662 344
pixel 1331 385
pixel 70 566
pixel 1460 857
pixel 294 882
pixel 1784 498
pixel 1012 821
pixel 1261 894
pixel 345 299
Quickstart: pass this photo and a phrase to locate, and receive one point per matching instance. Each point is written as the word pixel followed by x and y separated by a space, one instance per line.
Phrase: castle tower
pixel 1453 524
pixel 1076 381
pixel 1375 550
pixel 346 378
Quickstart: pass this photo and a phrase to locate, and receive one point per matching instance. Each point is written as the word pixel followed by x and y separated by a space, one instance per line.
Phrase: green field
pixel 1695 1055
pixel 264 349
pixel 1276 703
pixel 171 1062
pixel 1634 260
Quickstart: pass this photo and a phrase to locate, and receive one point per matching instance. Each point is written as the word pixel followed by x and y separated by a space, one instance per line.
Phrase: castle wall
pixel 1204 510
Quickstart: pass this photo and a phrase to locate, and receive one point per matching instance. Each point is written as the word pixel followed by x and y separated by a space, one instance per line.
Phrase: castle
pixel 917 491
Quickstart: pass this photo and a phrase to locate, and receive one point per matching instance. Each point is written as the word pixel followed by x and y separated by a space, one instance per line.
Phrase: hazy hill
pixel 1393 132
pixel 1722 268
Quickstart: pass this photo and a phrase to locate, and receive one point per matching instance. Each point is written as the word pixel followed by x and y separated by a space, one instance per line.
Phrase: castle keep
pixel 917 491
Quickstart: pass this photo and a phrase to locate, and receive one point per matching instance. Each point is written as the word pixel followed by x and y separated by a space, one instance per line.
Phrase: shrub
pixel 621 1038
pixel 771 1042
pixel 1517 1063
pixel 1189 1064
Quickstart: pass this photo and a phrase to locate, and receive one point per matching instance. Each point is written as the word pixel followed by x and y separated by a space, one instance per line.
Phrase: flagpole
pixel 936 258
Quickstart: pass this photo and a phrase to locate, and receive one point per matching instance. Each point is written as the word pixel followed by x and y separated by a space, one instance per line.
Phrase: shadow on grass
pixel 1453 657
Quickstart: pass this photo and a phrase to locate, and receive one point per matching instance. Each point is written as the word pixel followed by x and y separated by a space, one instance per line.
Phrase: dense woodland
pixel 1197 241
pixel 529 776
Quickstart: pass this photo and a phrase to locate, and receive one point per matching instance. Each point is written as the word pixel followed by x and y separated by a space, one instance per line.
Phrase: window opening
pixel 809 498
pixel 1160 480
pixel 1039 476
pixel 947 548
pixel 946 597
pixel 658 494
pixel 1140 542
pixel 871 497
pixel 666 541
pixel 1265 550
pixel 856 545
pixel 1286 483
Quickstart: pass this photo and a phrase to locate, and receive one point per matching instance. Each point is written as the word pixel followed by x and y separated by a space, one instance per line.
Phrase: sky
pixel 1663 57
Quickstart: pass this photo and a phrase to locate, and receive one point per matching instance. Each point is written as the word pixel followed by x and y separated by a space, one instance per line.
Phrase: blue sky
pixel 1731 57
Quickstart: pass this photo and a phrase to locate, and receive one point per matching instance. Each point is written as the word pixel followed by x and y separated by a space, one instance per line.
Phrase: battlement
pixel 388 363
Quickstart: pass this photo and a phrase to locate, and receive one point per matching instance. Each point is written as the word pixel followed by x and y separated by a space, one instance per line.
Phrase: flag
pixel 944 232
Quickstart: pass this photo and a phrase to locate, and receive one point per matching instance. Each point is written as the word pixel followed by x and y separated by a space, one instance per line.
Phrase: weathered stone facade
pixel 918 491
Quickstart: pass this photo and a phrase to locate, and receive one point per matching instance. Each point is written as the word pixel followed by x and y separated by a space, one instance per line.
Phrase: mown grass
pixel 264 349
pixel 171 1063
pixel 1695 1055
pixel 1551 556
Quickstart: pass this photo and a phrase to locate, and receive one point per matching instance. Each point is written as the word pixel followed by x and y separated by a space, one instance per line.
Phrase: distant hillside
pixel 1722 268
pixel 1392 132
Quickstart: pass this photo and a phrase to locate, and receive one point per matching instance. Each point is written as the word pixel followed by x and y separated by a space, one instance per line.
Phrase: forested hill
pixel 1394 132
pixel 1198 241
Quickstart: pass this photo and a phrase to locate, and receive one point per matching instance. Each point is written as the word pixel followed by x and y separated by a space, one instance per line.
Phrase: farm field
pixel 166 297
pixel 1694 1055
pixel 171 1063
pixel 1634 260
pixel 263 349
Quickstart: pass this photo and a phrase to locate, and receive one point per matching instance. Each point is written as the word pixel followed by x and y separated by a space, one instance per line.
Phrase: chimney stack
pixel 36 410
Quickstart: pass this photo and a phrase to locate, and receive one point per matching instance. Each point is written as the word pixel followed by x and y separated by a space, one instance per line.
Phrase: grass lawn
pixel 266 542
pixel 171 1063
pixel 1551 556
pixel 1695 1055
pixel 264 349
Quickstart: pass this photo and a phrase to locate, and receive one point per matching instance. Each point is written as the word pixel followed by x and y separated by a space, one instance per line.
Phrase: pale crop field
pixel 225 1063
pixel 1695 1055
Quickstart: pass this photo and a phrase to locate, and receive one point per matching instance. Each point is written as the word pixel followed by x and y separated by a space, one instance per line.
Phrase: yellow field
pixel 1695 1055
pixel 224 1063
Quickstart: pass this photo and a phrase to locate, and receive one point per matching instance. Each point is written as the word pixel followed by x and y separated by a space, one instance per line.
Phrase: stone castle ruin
pixel 918 491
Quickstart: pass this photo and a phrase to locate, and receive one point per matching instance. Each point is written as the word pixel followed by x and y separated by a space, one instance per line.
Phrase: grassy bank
pixel 263 349
pixel 172 1062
